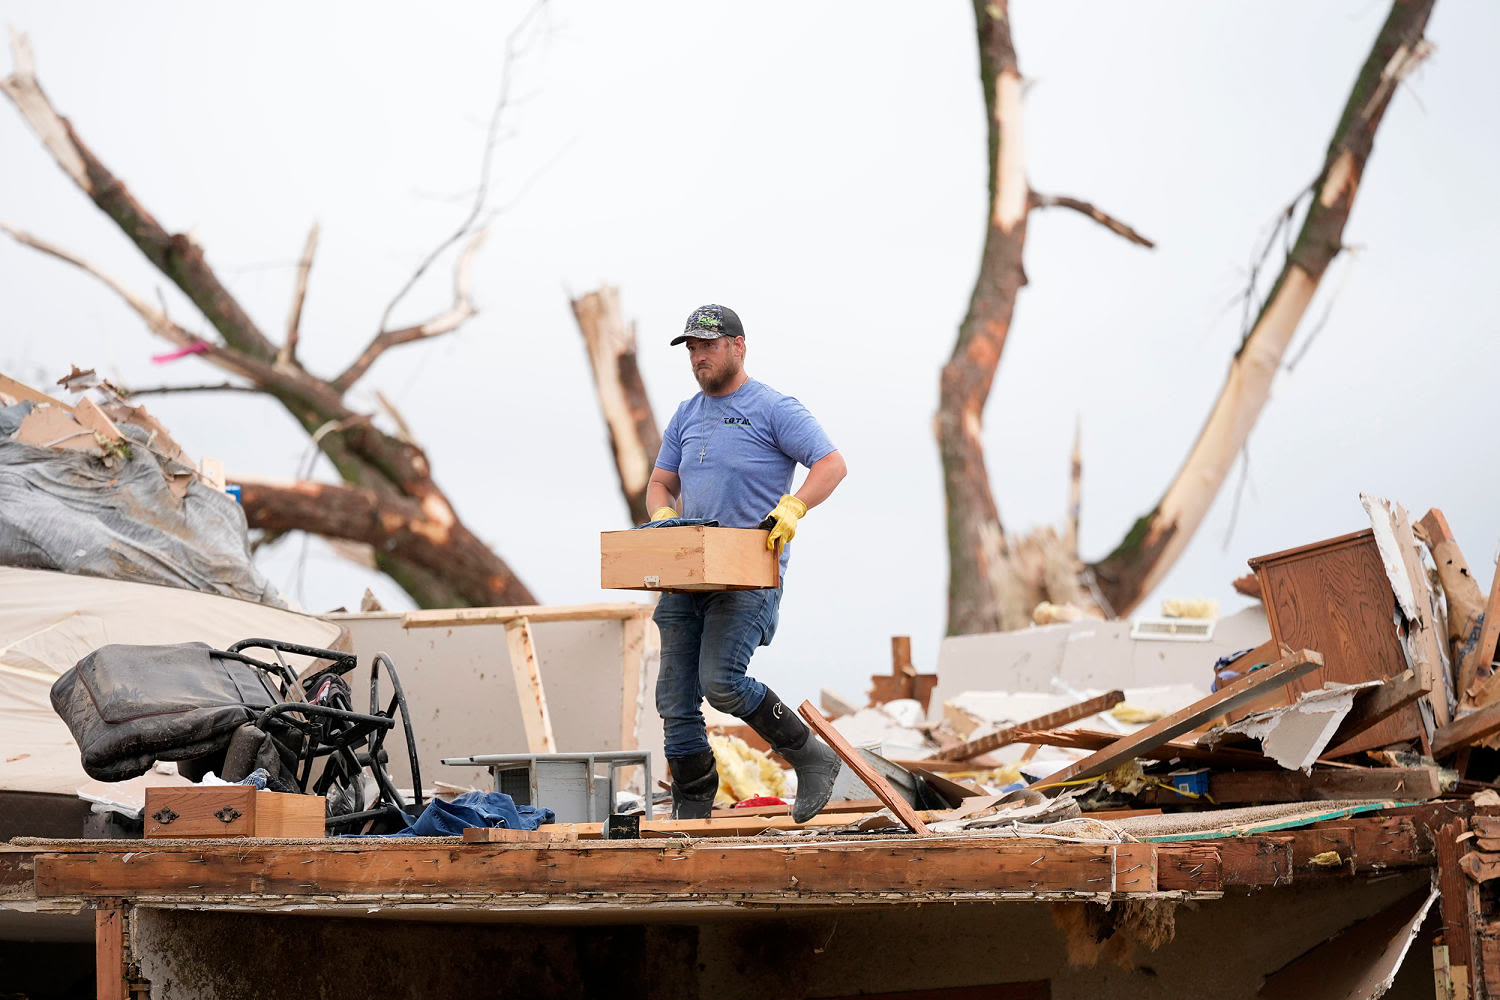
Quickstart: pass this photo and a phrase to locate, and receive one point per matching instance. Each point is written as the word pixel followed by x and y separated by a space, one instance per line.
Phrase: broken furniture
pixel 1333 596
pixel 130 706
pixel 687 558
pixel 567 783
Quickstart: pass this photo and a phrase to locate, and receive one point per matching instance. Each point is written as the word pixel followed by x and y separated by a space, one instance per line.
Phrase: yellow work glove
pixel 662 513
pixel 785 515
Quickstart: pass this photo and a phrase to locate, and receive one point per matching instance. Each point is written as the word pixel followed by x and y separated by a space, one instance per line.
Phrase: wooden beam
pixel 1417 784
pixel 1375 705
pixel 1188 867
pixel 634 635
pixel 1093 739
pixel 1052 720
pixel 1243 689
pixel 713 826
pixel 109 951
pixel 1468 729
pixel 1426 650
pixel 851 757
pixel 1255 860
pixel 1486 689
pixel 837 806
pixel 1460 898
pixel 455 617
pixel 668 869
pixel 528 677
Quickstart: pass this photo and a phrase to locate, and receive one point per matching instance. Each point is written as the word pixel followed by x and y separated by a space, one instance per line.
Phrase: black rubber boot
pixel 695 782
pixel 816 765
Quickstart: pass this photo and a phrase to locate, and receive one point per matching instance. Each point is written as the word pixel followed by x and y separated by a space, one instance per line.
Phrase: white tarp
pixel 49 621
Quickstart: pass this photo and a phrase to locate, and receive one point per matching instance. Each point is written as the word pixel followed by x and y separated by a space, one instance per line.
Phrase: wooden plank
pixel 1387 842
pixel 1052 720
pixel 528 677
pixel 1373 706
pixel 1416 784
pixel 109 951
pixel 669 868
pixel 1093 739
pixel 634 634
pixel 839 806
pixel 1255 860
pixel 1188 867
pixel 1461 594
pixel 500 835
pixel 1466 730
pixel 1165 729
pixel 856 763
pixel 454 617
pixel 1136 868
pixel 89 415
pixel 1460 897
pixel 718 826
pixel 1322 852
pixel 1481 866
pixel 1487 688
pixel 1425 651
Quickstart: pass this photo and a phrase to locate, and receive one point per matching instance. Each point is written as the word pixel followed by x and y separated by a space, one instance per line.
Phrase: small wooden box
pixel 231 811
pixel 689 558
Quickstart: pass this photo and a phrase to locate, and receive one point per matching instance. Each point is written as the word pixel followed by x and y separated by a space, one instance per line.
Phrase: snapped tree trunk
pixel 994 583
pixel 1157 539
pixel 633 435
pixel 395 504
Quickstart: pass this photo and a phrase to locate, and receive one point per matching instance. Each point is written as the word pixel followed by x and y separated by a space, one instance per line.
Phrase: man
pixel 729 452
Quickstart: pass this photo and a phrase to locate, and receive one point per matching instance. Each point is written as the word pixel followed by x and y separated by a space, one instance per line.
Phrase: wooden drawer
pixel 687 559
pixel 231 811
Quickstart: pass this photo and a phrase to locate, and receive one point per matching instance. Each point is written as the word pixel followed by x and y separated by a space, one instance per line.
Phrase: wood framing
pixel 528 677
pixel 883 791
pixel 1253 685
pixel 1373 706
pixel 1416 784
pixel 452 617
pixel 109 951
pixel 667 869
pixel 1052 720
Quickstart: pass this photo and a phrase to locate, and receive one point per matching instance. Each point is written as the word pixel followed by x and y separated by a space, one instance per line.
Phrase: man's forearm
pixel 824 476
pixel 658 496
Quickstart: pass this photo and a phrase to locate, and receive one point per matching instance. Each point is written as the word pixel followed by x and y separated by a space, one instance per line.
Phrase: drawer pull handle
pixel 228 814
pixel 164 815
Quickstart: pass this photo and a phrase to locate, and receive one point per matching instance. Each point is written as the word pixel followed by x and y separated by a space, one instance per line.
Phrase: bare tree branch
pixel 288 353
pixel 476 210
pixel 163 390
pixel 175 255
pixel 1159 537
pixel 1104 219
pixel 445 322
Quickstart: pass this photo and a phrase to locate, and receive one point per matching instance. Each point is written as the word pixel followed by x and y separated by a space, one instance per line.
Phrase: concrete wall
pixel 463 697
pixel 1222 949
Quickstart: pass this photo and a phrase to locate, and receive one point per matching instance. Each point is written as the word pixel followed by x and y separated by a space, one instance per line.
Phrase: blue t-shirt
pixel 736 454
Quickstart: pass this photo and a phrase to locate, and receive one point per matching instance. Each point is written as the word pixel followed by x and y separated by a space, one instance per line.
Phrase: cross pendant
pixel 701 452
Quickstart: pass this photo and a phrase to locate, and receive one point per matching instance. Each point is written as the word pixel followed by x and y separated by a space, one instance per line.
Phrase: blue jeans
pixel 706 643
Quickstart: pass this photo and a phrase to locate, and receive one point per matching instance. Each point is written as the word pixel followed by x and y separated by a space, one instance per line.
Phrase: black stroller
pixel 222 710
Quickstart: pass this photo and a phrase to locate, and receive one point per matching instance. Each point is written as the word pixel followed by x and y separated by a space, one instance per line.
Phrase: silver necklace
pixel 708 433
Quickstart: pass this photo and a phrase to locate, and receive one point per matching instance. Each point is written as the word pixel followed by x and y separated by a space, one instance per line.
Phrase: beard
pixel 715 380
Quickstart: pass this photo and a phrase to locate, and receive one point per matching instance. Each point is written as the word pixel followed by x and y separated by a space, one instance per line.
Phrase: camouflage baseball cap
pixel 711 322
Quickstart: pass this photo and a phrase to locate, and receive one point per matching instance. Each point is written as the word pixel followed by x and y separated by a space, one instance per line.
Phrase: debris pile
pixel 100 488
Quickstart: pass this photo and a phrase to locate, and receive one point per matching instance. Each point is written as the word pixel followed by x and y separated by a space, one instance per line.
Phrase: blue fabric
pixel 736 454
pixel 706 643
pixel 450 819
pixel 681 522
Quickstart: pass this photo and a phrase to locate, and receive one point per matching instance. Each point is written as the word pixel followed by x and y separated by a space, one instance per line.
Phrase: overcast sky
pixel 822 170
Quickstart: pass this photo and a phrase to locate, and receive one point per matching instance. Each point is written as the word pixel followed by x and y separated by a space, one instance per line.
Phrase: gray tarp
pixel 118 519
